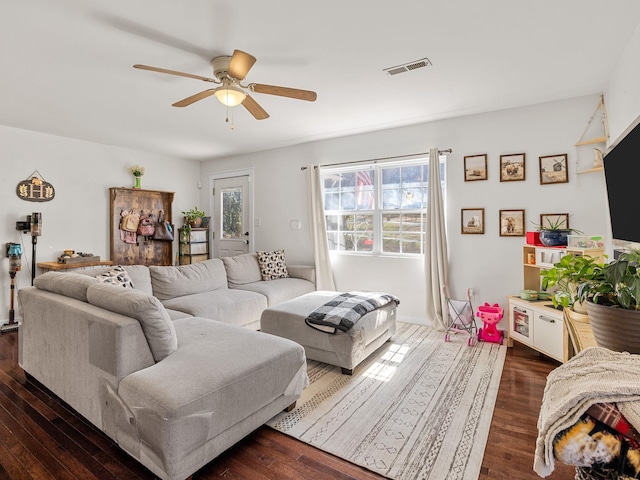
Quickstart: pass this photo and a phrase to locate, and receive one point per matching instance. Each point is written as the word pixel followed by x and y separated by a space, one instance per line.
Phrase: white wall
pixel 622 96
pixel 81 173
pixel 489 263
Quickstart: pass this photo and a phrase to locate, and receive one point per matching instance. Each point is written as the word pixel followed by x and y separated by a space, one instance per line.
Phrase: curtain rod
pixel 375 160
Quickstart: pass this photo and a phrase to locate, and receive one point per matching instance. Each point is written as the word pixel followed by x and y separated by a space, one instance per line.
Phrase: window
pixel 378 208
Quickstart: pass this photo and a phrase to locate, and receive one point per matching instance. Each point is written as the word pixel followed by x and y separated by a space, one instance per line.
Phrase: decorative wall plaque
pixel 35 189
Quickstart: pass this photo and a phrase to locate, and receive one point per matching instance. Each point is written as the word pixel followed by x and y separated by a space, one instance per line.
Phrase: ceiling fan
pixel 228 73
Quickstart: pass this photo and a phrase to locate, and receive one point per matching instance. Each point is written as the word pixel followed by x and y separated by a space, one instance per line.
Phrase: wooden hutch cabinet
pixel 145 251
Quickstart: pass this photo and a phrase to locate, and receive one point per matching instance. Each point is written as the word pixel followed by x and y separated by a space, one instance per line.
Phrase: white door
pixel 231 216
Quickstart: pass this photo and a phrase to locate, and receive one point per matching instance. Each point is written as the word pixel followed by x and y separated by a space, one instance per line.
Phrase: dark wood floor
pixel 41 438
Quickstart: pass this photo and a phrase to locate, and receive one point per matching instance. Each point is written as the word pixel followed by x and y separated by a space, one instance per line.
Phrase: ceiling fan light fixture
pixel 230 95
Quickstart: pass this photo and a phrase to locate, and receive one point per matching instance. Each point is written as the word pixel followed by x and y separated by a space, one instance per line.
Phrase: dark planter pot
pixel 615 328
pixel 554 238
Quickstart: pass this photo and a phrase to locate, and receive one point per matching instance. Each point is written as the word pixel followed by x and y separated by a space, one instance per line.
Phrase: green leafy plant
pixel 191 218
pixel 616 283
pixel 568 275
pixel 555 225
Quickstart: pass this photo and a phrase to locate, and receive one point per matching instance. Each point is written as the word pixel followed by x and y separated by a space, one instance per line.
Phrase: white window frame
pixel 377 210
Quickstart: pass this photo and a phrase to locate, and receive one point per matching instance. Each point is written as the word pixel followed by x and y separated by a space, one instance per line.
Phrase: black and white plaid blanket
pixel 343 311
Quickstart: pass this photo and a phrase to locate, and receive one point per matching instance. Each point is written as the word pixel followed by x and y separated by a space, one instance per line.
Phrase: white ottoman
pixel 344 349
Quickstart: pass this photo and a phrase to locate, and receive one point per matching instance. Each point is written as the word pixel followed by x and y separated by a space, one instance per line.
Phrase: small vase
pixel 138 184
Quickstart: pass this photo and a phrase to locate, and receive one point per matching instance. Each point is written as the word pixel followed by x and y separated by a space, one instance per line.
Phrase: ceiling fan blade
pixel 296 93
pixel 240 64
pixel 194 98
pixel 174 72
pixel 254 109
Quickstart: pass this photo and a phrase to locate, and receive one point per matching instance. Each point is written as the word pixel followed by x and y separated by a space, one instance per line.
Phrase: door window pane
pixel 232 213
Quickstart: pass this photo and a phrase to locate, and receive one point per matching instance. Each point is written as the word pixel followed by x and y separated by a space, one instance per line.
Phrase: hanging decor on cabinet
pixel 129 221
pixel 163 230
pixel 137 171
pixel 35 189
pixel 147 225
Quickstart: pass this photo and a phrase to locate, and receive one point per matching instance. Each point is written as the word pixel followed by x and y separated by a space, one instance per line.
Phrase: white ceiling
pixel 66 65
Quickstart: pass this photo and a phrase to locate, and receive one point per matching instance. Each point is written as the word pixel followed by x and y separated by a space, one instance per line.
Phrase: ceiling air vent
pixel 407 67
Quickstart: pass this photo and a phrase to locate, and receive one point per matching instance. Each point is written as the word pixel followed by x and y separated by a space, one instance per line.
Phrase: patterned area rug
pixel 418 408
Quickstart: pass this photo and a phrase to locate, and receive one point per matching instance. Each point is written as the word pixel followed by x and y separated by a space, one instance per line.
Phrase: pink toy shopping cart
pixel 490 315
pixel 460 318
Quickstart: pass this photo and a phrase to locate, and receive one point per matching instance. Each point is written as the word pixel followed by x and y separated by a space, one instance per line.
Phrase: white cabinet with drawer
pixel 537 325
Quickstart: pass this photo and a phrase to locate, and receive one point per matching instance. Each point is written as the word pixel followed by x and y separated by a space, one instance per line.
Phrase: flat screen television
pixel 622 176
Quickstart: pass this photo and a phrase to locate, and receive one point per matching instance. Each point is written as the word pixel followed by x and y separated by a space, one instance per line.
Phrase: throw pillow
pixel 117 276
pixel 272 265
pixel 156 324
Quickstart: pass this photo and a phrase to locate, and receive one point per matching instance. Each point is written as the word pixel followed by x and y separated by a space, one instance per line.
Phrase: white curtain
pixel 436 259
pixel 317 224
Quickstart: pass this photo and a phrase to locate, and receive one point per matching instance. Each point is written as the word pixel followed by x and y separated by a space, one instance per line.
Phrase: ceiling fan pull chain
pixel 227 119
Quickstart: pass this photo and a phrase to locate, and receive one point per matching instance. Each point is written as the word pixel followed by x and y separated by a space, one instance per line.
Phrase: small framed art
pixel 475 167
pixel 512 167
pixel 512 223
pixel 554 221
pixel 553 169
pixel 472 221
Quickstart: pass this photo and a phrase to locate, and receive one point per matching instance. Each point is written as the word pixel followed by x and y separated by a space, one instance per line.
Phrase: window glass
pixel 378 209
pixel 232 213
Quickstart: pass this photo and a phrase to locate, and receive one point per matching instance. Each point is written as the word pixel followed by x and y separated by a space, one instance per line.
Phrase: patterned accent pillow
pixel 272 265
pixel 117 276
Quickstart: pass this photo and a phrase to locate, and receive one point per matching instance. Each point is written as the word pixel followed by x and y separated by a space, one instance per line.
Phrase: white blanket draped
pixel 595 375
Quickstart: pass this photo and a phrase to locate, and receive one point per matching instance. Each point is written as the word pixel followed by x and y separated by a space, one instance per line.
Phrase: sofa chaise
pixel 165 369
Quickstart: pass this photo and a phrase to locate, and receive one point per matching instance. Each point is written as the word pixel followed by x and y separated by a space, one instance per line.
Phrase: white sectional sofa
pixel 165 369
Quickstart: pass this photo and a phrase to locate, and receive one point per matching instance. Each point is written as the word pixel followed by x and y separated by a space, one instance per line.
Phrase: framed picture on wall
pixel 472 221
pixel 553 169
pixel 512 167
pixel 512 223
pixel 554 221
pixel 475 167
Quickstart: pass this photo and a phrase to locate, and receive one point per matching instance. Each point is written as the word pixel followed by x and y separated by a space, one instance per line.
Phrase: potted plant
pixel 612 296
pixel 554 232
pixel 567 275
pixel 192 218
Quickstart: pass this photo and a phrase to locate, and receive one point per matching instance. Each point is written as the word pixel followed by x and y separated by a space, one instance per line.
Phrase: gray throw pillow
pixel 69 284
pixel 154 319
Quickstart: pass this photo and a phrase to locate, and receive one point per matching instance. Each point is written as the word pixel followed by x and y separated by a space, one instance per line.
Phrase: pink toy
pixel 490 316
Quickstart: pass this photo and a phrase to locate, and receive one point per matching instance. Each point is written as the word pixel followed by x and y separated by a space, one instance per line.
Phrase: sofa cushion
pixel 69 284
pixel 117 276
pixel 154 320
pixel 236 307
pixel 272 264
pixel 170 282
pixel 220 376
pixel 280 290
pixel 242 269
